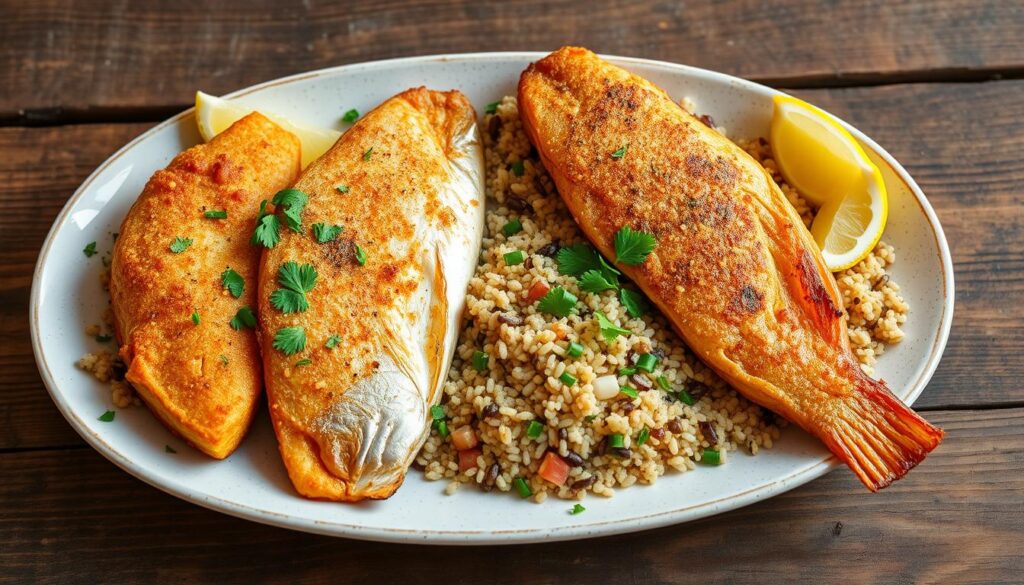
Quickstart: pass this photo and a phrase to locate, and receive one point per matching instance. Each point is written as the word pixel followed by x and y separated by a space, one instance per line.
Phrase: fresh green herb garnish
pixel 577 509
pixel 534 429
pixel 631 392
pixel 169 449
pixel 368 153
pixel 243 318
pixel 590 418
pixel 442 429
pixel 634 302
pixel 437 412
pixel 350 116
pixel 291 202
pixel 303 362
pixel 342 188
pixel 297 281
pixel 686 398
pixel 512 228
pixel 632 247
pixel 325 233
pixel 107 416
pixel 621 152
pixel 627 371
pixel 558 302
pixel 180 244
pixel 513 258
pixel 333 341
pixel 360 255
pixel 593 281
pixel 103 338
pixel 290 340
pixel 663 383
pixel 616 441
pixel 195 317
pixel 518 169
pixel 224 359
pixel 480 360
pixel 89 250
pixel 522 487
pixel 216 214
pixel 574 349
pixel 647 362
pixel 232 281
pixel 576 259
pixel 711 457
pixel 645 433
pixel 567 379
pixel 492 107
pixel 609 330
pixel 268 228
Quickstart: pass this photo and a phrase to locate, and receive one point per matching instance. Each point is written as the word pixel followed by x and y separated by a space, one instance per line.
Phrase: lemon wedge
pixel 828 167
pixel 214 115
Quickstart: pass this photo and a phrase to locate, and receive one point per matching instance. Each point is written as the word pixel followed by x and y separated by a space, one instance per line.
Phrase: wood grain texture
pixel 87 57
pixel 965 158
pixel 78 519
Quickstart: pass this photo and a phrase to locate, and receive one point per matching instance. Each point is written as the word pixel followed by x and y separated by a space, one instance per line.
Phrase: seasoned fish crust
pixel 734 270
pixel 350 420
pixel 201 380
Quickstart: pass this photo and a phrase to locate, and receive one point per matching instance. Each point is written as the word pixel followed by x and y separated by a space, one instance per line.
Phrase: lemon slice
pixel 214 115
pixel 825 164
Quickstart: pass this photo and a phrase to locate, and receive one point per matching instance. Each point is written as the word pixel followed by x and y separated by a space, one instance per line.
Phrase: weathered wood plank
pixel 966 159
pixel 75 55
pixel 71 517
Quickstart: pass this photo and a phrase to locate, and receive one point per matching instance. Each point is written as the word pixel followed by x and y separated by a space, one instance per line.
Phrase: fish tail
pixel 878 436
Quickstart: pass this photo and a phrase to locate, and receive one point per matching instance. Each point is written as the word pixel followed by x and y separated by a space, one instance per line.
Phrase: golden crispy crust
pixel 734 269
pixel 177 367
pixel 349 423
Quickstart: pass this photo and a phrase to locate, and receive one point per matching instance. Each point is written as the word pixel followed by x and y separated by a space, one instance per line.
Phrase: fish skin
pixel 350 423
pixel 734 269
pixel 174 364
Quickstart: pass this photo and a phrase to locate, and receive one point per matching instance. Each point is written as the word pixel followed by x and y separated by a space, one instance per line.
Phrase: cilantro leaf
pixel 632 247
pixel 290 340
pixel 232 281
pixel 107 416
pixel 180 244
pixel 297 281
pixel 360 255
pixel 216 214
pixel 325 233
pixel 350 116
pixel 635 303
pixel 289 301
pixel 609 330
pixel 89 250
pixel 593 281
pixel 621 152
pixel 243 318
pixel 333 341
pixel 291 202
pixel 576 259
pixel 558 302
pixel 268 228
pixel 577 509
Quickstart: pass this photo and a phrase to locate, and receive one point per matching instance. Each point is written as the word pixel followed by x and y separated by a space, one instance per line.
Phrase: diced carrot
pixel 538 290
pixel 464 438
pixel 554 469
pixel 467 459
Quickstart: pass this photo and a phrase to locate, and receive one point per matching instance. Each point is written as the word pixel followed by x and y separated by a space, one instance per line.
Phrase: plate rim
pixel 689 513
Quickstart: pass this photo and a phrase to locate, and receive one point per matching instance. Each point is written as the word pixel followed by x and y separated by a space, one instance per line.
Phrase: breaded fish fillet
pixel 734 269
pixel 172 310
pixel 359 357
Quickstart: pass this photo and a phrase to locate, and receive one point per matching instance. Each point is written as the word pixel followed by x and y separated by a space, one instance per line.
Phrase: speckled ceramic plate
pixel 66 297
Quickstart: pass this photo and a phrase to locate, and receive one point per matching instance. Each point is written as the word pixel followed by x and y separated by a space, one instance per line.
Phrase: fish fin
pixel 878 436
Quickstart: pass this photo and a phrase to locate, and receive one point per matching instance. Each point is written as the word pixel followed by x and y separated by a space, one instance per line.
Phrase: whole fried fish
pixel 169 291
pixel 388 241
pixel 734 269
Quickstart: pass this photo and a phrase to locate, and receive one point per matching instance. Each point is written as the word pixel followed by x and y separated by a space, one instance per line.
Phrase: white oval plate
pixel 66 297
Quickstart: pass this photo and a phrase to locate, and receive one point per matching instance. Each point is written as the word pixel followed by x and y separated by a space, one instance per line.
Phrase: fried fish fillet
pixel 200 376
pixel 349 396
pixel 734 269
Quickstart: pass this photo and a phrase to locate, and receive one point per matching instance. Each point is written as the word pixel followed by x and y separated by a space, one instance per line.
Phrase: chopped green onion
pixel 567 379
pixel 616 441
pixel 442 429
pixel 631 392
pixel 522 487
pixel 512 228
pixel 663 383
pixel 480 360
pixel 647 362
pixel 437 412
pixel 518 169
pixel 574 349
pixel 711 457
pixel 215 214
pixel 534 429
pixel 627 371
pixel 492 107
pixel 645 434
pixel 577 509
pixel 513 258
pixel 350 116
pixel 107 416
pixel 685 398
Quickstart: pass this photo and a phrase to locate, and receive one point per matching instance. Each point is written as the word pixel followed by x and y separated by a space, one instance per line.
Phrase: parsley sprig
pixel 326 233
pixel 268 228
pixel 609 330
pixel 244 318
pixel 558 302
pixel 232 281
pixel 297 281
pixel 290 340
pixel 632 247
pixel 290 202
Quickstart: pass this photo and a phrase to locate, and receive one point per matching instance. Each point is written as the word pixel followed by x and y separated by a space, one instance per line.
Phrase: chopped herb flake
pixel 522 487
pixel 326 233
pixel 368 153
pixel 492 107
pixel 645 433
pixel 632 247
pixel 621 152
pixel 686 398
pixel 232 281
pixel 512 228
pixel 442 428
pixel 342 188
pixel 631 392
pixel 480 360
pixel 577 509
pixel 514 258
pixel 437 412
pixel 303 362
pixel 243 318
pixel 590 418
pixel 291 202
pixel 333 341
pixel 517 168
pixel 609 330
pixel 224 359
pixel 663 383
pixel 350 116
pixel 107 416
pixel 195 317
pixel 89 250
pixel 290 340
pixel 558 302
pixel 180 244
pixel 534 429
pixel 627 371
pixel 215 214
pixel 360 255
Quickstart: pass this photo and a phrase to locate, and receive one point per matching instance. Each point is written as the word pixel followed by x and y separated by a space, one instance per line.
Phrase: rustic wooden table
pixel 939 84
